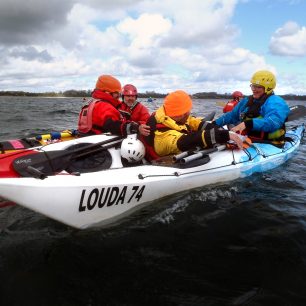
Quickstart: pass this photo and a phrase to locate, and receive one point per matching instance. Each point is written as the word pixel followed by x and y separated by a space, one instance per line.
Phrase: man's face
pixel 181 119
pixel 129 100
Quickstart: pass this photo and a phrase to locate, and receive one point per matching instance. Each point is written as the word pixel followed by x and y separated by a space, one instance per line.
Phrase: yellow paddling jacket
pixel 168 137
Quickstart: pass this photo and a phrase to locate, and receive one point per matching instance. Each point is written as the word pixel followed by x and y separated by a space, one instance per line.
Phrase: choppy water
pixel 241 243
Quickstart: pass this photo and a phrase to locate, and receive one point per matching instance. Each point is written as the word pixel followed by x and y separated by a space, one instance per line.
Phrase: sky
pixel 161 46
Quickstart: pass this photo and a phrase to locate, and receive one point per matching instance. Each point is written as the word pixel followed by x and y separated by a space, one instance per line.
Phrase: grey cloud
pixel 31 53
pixel 205 38
pixel 3 56
pixel 27 22
pixel 108 4
pixel 147 61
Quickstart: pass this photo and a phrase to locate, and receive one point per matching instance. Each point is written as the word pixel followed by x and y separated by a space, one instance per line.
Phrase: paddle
pixel 42 164
pixel 296 112
pixel 209 117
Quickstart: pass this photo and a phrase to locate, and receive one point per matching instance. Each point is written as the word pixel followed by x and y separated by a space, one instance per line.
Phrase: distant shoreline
pixel 154 95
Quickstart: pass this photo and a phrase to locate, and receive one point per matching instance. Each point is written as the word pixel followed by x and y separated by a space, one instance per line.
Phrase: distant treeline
pixel 70 93
pixel 87 93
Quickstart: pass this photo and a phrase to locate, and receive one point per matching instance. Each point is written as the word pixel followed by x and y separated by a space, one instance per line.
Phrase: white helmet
pixel 132 149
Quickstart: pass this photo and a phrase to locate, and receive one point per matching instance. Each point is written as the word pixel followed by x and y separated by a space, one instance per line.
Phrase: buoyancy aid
pixel 85 117
pixel 87 124
pixel 149 140
pixel 230 105
pixel 137 112
pixel 170 137
pixel 276 137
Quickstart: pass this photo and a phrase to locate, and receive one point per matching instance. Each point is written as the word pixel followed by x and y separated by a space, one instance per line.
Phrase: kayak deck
pixel 14 145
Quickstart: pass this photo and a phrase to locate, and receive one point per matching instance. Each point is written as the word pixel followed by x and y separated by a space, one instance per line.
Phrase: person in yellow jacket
pixel 174 130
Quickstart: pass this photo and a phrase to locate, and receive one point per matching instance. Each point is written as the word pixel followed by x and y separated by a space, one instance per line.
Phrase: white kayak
pixel 100 193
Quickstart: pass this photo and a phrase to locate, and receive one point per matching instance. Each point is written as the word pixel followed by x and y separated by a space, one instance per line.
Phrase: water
pixel 241 243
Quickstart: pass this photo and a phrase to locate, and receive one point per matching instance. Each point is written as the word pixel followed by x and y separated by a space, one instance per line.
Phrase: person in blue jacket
pixel 262 115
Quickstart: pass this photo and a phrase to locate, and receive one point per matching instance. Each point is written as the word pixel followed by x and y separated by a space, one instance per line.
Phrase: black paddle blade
pixel 297 112
pixel 41 164
pixel 210 117
pixel 80 158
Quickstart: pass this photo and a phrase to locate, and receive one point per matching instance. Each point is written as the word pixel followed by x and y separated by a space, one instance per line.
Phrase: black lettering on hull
pixel 107 197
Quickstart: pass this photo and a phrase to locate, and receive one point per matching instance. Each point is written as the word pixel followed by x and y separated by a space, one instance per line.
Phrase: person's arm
pixel 232 117
pixel 119 127
pixel 144 130
pixel 140 115
pixel 207 139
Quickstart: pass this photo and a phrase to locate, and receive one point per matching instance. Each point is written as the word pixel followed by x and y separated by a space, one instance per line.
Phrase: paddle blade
pixel 6 163
pixel 210 116
pixel 296 112
pixel 41 164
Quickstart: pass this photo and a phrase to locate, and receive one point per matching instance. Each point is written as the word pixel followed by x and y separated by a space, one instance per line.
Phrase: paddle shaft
pixel 45 163
pixel 66 152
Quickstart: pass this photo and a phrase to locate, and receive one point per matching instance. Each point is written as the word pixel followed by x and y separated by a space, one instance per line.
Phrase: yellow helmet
pixel 264 78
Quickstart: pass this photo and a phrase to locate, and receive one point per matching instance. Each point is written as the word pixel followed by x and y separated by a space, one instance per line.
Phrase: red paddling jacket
pixel 138 112
pixel 101 115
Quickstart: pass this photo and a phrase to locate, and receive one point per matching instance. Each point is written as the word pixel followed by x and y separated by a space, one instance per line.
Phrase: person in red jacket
pixel 236 95
pixel 133 110
pixel 101 114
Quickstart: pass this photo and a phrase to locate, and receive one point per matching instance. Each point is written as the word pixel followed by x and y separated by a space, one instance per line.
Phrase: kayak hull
pixel 103 197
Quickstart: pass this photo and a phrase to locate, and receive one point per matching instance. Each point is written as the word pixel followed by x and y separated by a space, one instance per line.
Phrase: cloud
pixel 31 21
pixel 158 45
pixel 31 53
pixel 109 5
pixel 289 40
pixel 204 23
pixel 144 30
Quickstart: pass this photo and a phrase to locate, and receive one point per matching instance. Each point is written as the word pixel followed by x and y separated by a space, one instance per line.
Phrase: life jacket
pixel 149 140
pixel 127 111
pixel 85 116
pixel 230 106
pixel 93 117
pixel 277 137
pixel 137 112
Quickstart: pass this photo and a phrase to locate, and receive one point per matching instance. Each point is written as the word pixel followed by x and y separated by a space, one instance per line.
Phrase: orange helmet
pixel 129 90
pixel 237 94
pixel 177 103
pixel 108 83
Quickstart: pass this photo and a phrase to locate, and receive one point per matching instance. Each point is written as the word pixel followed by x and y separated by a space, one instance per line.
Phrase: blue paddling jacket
pixel 264 117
